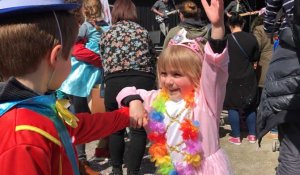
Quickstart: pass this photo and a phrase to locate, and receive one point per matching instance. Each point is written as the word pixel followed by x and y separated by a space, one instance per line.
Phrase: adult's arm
pixel 155 7
pixel 227 10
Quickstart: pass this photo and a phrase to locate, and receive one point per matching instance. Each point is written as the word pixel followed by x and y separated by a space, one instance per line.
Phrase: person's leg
pixel 112 88
pixel 138 137
pixel 101 151
pixel 234 120
pixel 116 144
pixel 136 150
pixel 162 27
pixel 251 122
pixel 167 27
pixel 251 125
pixel 81 152
pixel 289 152
pixel 79 105
pixel 116 148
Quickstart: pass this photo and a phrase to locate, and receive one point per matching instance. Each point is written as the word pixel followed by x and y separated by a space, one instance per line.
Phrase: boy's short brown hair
pixel 27 38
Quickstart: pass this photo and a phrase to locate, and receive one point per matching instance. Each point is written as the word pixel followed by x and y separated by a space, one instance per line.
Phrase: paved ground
pixel 246 159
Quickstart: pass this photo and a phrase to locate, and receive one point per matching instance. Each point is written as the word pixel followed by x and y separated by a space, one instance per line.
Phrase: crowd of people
pixel 53 53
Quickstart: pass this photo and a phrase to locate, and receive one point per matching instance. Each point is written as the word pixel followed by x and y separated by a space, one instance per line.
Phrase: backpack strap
pixel 241 48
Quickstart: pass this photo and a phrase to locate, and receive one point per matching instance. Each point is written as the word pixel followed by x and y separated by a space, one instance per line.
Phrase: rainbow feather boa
pixel 159 149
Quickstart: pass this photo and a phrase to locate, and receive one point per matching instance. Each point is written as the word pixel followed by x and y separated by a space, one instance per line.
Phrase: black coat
pixel 242 89
pixel 280 99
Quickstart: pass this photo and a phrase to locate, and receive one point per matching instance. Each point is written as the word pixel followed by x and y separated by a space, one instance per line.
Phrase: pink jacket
pixel 209 104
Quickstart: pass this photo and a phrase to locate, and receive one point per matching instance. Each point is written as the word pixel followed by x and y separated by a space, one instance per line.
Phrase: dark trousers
pixel 79 105
pixel 136 148
pixel 138 138
pixel 289 155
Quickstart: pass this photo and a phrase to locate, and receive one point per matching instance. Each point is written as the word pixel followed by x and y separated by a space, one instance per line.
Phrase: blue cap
pixel 20 6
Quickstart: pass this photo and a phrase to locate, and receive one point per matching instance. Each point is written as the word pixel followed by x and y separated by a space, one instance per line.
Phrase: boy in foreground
pixel 37 133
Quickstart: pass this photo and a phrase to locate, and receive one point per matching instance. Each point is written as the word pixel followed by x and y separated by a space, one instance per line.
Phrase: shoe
pixel 251 138
pixel 85 169
pixel 235 140
pixel 101 154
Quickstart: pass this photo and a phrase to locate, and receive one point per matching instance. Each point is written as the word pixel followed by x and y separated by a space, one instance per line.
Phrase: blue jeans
pixel 234 120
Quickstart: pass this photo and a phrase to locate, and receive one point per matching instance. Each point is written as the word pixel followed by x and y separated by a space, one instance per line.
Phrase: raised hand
pixel 215 14
pixel 214 11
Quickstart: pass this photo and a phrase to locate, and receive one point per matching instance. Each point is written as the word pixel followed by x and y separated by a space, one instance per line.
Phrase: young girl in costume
pixel 86 70
pixel 37 133
pixel 184 114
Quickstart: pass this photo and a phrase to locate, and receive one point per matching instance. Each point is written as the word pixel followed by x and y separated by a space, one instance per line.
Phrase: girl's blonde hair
pixel 92 9
pixel 182 59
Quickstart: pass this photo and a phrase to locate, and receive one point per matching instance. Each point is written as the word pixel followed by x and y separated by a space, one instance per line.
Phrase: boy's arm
pixel 81 53
pixel 94 126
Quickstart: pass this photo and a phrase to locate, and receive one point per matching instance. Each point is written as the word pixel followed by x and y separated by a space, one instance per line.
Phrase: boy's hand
pixel 138 114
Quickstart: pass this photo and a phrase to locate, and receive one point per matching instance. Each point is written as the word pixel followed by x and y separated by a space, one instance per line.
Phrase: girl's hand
pixel 214 11
pixel 138 114
pixel 215 14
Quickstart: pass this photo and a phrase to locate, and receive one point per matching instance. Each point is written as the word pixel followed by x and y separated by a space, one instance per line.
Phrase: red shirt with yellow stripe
pixel 30 144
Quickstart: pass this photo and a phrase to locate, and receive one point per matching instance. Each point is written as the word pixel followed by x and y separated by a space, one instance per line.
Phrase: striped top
pixel 272 8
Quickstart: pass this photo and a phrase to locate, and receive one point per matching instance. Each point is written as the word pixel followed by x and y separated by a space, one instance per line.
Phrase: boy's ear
pixel 55 53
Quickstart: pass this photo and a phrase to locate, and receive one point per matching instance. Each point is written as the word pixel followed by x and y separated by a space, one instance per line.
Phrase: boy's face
pixel 176 84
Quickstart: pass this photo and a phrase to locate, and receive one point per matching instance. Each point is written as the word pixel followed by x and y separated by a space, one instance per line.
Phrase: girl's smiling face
pixel 177 84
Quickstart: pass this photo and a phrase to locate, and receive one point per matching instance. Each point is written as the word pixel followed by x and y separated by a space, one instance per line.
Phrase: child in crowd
pixel 184 114
pixel 37 134
pixel 86 71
